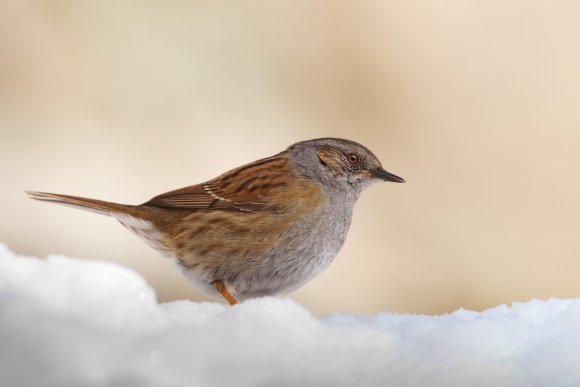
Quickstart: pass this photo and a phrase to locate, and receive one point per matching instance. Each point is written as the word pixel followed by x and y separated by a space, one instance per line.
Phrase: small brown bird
pixel 264 228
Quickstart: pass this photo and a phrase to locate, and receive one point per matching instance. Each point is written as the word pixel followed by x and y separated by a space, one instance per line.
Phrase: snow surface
pixel 67 322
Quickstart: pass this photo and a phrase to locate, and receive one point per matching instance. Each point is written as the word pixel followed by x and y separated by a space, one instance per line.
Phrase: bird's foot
pixel 219 285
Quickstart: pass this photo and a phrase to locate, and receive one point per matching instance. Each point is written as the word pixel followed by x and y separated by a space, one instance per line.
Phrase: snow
pixel 69 322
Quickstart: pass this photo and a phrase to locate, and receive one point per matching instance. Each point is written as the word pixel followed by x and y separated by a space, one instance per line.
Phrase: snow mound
pixel 67 322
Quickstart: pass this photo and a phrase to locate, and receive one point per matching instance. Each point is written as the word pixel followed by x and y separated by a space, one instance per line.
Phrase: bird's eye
pixel 352 158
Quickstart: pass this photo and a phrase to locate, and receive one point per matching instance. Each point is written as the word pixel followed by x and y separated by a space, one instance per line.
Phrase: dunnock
pixel 264 228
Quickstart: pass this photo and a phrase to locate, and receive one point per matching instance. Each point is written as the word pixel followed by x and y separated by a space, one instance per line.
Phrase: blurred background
pixel 475 103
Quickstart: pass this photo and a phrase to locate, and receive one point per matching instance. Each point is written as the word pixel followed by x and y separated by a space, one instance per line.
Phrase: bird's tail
pixel 93 205
pixel 136 220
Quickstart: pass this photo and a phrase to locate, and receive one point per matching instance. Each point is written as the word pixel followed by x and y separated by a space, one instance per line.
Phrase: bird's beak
pixel 380 173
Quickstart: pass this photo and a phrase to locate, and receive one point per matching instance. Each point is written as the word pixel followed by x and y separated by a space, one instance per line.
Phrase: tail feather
pixel 129 216
pixel 93 205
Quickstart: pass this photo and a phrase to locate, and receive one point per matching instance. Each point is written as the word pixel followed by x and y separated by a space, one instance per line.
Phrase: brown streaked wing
pixel 246 188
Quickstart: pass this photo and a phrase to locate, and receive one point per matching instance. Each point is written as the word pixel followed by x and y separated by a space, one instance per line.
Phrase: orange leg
pixel 219 285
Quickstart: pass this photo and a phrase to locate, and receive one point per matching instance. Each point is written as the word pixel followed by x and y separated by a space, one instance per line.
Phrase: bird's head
pixel 339 163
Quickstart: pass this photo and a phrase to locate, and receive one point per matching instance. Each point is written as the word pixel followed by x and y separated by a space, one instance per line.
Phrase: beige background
pixel 475 103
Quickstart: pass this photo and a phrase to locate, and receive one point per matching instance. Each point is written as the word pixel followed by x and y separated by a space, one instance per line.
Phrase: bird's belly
pixel 296 256
pixel 291 267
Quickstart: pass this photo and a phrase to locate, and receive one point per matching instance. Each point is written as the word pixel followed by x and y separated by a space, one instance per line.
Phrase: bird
pixel 262 229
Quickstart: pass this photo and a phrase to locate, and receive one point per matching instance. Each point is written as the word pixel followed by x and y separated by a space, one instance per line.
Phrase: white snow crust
pixel 69 322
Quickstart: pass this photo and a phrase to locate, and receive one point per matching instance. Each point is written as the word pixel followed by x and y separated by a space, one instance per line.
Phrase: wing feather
pixel 247 188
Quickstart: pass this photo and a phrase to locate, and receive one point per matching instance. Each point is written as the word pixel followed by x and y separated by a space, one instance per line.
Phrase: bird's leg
pixel 219 285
